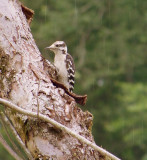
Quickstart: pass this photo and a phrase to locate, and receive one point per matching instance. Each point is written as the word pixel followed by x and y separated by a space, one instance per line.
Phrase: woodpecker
pixel 64 64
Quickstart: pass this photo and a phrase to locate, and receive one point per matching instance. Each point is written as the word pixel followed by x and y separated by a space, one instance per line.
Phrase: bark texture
pixel 25 82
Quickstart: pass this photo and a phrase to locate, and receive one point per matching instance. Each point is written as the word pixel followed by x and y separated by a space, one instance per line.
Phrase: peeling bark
pixel 28 13
pixel 33 90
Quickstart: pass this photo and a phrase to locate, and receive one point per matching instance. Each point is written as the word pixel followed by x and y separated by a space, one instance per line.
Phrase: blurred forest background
pixel 108 41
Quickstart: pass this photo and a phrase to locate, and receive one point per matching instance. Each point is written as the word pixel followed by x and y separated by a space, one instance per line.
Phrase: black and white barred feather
pixel 71 71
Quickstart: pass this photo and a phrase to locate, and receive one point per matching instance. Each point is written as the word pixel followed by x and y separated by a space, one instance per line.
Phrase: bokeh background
pixel 108 41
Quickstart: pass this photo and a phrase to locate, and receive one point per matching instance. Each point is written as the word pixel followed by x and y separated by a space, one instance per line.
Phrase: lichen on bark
pixel 25 82
pixel 6 74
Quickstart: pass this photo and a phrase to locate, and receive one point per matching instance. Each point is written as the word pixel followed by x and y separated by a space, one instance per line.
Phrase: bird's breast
pixel 59 62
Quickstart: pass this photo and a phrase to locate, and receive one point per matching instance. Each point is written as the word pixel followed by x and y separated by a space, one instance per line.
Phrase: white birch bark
pixel 24 82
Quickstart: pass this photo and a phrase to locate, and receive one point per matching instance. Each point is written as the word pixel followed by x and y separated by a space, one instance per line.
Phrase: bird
pixel 64 64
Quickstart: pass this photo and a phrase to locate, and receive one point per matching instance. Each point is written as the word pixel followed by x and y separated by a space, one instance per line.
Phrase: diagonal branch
pixel 7 122
pixel 60 126
pixel 3 120
pixel 9 149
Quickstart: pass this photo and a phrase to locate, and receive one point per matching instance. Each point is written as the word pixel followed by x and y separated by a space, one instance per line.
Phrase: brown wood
pixel 25 82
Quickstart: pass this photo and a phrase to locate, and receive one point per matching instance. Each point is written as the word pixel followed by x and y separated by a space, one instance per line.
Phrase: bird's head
pixel 58 46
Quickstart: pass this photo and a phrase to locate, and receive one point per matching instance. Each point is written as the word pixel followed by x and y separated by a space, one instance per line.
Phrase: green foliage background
pixel 108 40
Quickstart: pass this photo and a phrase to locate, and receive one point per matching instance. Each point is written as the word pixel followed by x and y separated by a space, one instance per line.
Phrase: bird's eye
pixel 57 45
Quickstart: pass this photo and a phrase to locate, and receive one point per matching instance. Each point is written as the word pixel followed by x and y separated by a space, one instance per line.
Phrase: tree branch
pixel 60 126
pixel 8 148
pixel 5 120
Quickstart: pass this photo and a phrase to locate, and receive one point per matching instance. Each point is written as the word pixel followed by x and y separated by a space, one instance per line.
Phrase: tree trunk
pixel 25 82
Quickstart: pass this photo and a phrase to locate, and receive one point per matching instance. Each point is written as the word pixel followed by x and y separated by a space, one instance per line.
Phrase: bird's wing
pixel 71 71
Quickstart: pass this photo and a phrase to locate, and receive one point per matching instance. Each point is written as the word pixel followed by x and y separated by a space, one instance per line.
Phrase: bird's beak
pixel 49 47
pixel 52 47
